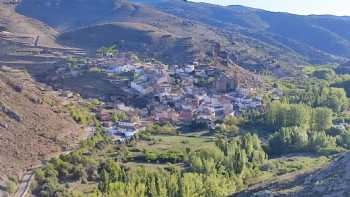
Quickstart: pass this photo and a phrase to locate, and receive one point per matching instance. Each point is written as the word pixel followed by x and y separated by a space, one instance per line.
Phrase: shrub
pixel 169 156
pixel 288 139
pixel 81 115
pixel 120 116
pixel 161 129
pixel 325 74
pixel 343 140
pixel 11 186
pixel 320 140
pixel 145 136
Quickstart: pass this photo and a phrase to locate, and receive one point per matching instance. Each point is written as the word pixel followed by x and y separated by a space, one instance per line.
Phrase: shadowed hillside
pixel 314 37
pixel 186 31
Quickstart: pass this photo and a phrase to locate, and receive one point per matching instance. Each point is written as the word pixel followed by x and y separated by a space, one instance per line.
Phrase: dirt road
pixel 24 185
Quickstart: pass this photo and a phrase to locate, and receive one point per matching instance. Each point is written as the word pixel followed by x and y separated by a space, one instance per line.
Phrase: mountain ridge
pixel 194 40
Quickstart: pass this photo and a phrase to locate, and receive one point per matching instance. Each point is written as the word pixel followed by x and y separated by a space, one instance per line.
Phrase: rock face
pixel 30 127
pixel 9 112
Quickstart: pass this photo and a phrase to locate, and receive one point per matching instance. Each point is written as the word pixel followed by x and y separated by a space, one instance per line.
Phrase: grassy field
pixel 292 164
pixel 287 168
pixel 180 142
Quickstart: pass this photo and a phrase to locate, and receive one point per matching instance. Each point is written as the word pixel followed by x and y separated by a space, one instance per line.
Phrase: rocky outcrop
pixel 9 112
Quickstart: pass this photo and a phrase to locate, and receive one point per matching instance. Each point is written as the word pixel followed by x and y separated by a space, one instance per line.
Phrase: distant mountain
pixel 312 34
pixel 176 31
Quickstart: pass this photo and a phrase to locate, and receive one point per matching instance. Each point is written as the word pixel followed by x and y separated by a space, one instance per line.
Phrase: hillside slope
pixel 33 123
pixel 96 22
pixel 332 180
pixel 24 26
pixel 316 38
pixel 168 36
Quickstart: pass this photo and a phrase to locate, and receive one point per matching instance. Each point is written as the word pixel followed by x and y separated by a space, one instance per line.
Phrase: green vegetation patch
pixel 175 142
pixel 292 164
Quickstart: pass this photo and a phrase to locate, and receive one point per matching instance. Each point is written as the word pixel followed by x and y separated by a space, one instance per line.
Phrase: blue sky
pixel 334 7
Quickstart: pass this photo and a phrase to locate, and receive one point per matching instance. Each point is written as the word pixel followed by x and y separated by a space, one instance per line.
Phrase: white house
pixel 189 68
pixel 111 131
pixel 141 87
pixel 121 69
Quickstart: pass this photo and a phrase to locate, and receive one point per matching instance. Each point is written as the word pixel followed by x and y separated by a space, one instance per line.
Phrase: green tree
pixel 119 116
pixel 236 161
pixel 229 127
pixel 288 139
pixel 299 115
pixel 104 182
pixel 217 186
pixel 343 140
pixel 320 140
pixel 191 185
pixel 173 185
pixel 107 51
pixel 321 119
pixel 11 186
pixel 196 163
pixel 325 74
pixel 337 100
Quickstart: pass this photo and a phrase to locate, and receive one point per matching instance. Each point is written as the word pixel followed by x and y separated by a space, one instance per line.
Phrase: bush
pixel 287 140
pixel 169 156
pixel 11 186
pixel 229 127
pixel 120 116
pixel 161 129
pixel 343 140
pixel 325 74
pixel 320 140
pixel 81 115
pixel 294 139
pixel 145 136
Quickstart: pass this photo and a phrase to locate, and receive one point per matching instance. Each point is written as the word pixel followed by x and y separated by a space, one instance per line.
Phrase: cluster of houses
pixel 179 94
pixel 119 130
pixel 202 108
pixel 122 131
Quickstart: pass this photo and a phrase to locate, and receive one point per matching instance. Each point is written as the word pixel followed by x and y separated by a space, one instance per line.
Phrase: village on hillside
pixel 181 95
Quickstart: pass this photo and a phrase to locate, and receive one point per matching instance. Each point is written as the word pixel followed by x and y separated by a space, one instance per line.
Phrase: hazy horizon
pixel 302 7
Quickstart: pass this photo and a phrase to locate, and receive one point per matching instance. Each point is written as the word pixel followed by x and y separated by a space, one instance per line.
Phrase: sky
pixel 304 7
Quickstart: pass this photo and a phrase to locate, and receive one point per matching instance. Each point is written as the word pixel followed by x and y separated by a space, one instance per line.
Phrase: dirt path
pixel 24 186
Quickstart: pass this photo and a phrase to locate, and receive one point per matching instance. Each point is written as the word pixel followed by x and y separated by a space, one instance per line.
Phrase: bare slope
pixel 33 123
pixel 25 26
